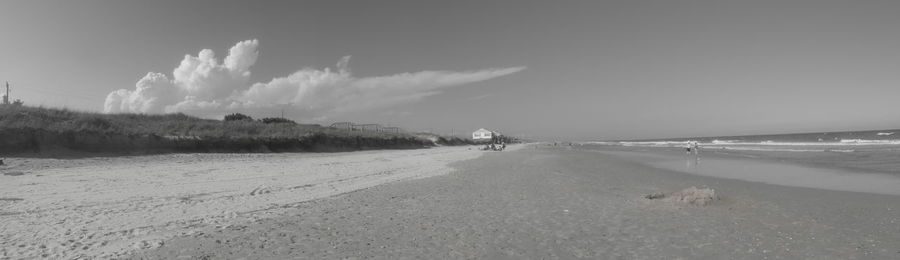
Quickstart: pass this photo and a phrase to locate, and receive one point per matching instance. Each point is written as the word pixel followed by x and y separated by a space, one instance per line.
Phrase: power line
pixel 33 89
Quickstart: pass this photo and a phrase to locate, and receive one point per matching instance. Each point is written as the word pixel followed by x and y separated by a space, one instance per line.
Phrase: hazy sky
pixel 566 69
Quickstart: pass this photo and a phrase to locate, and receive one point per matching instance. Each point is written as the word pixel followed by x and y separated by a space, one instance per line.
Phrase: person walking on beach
pixel 687 148
pixel 696 148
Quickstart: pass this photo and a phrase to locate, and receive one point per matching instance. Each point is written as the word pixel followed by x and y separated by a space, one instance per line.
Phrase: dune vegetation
pixel 28 130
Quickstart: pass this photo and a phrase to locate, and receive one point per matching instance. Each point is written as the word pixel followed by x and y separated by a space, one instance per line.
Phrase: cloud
pixel 151 94
pixel 479 97
pixel 201 85
pixel 200 79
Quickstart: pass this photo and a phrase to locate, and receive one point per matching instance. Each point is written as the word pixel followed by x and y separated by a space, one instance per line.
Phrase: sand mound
pixel 690 196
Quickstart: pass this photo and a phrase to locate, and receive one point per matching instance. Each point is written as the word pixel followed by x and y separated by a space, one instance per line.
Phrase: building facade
pixel 482 134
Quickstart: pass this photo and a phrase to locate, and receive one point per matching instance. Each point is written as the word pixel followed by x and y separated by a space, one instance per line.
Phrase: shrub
pixel 277 120
pixel 30 129
pixel 238 117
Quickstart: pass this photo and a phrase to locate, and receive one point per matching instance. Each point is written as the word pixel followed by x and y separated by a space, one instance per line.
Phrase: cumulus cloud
pixel 202 85
pixel 200 79
pixel 151 94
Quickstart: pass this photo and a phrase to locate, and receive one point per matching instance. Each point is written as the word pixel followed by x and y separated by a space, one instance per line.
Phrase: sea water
pixel 767 171
pixel 846 142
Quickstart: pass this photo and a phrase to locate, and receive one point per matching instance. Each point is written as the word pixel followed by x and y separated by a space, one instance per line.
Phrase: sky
pixel 569 70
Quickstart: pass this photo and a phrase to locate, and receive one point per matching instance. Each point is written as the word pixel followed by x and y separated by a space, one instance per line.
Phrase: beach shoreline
pixel 562 203
pixel 884 160
pixel 770 169
pixel 859 158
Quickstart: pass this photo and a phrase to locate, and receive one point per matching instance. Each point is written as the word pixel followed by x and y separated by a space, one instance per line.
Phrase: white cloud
pixel 479 97
pixel 204 78
pixel 152 93
pixel 203 86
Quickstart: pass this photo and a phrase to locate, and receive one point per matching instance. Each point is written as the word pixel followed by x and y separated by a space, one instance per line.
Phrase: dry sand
pixel 560 203
pixel 108 207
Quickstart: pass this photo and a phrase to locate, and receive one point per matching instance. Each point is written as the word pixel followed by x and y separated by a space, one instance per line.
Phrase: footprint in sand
pixel 147 244
pixel 260 190
pixel 16 173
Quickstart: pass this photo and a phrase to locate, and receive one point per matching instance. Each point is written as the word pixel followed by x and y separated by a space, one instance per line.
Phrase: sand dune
pixel 110 206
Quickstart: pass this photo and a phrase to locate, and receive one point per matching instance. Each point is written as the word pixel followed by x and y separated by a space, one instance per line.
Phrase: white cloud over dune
pixel 202 85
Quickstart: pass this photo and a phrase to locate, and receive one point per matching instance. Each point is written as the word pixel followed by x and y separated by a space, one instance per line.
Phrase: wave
pixel 769 149
pixel 656 144
pixel 777 149
pixel 864 141
pixel 737 143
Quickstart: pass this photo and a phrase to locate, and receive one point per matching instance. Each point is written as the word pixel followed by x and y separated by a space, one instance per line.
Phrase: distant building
pixel 483 135
pixel 346 126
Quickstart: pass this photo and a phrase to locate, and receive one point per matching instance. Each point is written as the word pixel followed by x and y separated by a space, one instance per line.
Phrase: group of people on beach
pixel 495 146
pixel 692 147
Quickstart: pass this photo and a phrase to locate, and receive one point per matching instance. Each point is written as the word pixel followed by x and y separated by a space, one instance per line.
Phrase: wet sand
pixel 767 171
pixel 883 159
pixel 559 203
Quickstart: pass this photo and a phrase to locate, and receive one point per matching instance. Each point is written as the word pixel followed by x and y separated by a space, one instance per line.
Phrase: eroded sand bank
pixel 107 207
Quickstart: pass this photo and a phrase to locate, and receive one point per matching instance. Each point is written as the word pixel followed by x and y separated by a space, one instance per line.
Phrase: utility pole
pixel 6 98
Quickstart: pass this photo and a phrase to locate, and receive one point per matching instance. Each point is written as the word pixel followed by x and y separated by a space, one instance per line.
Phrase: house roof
pixel 482 130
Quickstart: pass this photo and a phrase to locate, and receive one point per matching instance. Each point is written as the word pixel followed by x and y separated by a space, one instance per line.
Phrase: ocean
pixel 869 151
pixel 846 142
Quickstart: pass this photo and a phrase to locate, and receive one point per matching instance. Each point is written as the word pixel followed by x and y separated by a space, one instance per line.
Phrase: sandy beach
pixel 108 207
pixel 450 130
pixel 560 203
pixel 531 202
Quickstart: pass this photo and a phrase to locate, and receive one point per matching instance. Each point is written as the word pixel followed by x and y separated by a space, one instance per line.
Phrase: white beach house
pixel 482 134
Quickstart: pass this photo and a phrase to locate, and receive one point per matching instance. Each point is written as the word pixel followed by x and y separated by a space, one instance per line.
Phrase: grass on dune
pixel 180 125
pixel 37 130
